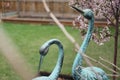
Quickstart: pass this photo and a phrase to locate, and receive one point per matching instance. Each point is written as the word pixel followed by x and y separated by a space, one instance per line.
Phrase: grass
pixel 29 38
pixel 6 71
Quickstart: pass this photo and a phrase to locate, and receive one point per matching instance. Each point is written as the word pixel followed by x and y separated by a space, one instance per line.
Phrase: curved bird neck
pixel 88 36
pixel 55 73
pixel 78 60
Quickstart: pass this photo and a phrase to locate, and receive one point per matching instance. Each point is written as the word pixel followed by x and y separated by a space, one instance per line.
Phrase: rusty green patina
pixel 88 73
pixel 43 51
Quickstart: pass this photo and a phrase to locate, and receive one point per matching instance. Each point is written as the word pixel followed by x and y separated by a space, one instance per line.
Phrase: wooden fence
pixel 8 7
pixel 35 8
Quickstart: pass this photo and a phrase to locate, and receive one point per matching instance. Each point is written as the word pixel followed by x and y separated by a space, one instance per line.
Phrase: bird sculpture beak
pixel 78 9
pixel 40 62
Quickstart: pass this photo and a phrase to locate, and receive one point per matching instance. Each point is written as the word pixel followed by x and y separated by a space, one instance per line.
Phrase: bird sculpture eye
pixel 44 51
pixel 88 15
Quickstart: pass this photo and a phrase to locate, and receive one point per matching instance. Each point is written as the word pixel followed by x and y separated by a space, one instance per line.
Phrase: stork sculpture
pixel 43 51
pixel 88 73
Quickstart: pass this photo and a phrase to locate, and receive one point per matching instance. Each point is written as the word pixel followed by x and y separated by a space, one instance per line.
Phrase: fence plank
pixel 59 7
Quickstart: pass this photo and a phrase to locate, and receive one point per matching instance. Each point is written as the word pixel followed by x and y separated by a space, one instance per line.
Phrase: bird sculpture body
pixel 88 73
pixel 44 50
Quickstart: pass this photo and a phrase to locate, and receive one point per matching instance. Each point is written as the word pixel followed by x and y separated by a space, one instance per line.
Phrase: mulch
pixel 61 76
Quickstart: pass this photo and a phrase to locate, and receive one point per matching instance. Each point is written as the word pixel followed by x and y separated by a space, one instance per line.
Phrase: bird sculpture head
pixel 87 13
pixel 44 50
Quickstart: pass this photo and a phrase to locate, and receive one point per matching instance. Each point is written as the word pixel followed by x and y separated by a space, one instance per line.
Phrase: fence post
pixel 18 7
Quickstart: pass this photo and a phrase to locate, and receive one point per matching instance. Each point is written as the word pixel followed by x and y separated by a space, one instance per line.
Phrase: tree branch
pixel 96 61
pixel 109 63
pixel 61 26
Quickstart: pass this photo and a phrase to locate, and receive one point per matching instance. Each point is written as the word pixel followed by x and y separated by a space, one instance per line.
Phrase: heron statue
pixel 88 73
pixel 43 51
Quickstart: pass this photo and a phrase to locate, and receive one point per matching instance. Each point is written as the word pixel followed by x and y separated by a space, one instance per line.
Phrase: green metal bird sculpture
pixel 43 51
pixel 88 73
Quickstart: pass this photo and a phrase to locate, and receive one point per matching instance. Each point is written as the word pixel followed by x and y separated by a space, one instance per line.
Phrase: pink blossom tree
pixel 103 9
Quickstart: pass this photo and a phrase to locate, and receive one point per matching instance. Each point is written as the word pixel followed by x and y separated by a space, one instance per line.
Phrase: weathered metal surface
pixel 88 73
pixel 43 52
